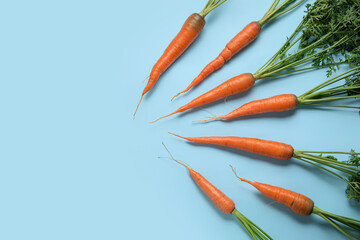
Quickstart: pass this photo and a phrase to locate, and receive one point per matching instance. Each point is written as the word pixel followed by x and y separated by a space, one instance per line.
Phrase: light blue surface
pixel 75 165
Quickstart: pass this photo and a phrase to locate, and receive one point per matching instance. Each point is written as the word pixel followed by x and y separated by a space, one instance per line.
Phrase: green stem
pixel 210 5
pixel 332 80
pixel 254 231
pixel 280 66
pixel 328 105
pixel 327 152
pixel 353 190
pixel 282 49
pixel 274 10
pixel 329 99
pixel 333 218
pixel 330 162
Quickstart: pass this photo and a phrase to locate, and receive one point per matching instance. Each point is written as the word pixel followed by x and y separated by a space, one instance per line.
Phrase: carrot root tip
pixel 137 107
pixel 207 120
pixel 242 179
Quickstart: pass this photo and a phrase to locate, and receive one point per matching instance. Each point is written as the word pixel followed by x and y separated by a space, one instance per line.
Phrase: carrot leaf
pixel 327 36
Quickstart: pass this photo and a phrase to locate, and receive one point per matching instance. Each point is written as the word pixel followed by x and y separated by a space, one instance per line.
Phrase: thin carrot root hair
pixel 146 78
pixel 208 120
pixel 137 107
pixel 242 179
pixel 227 104
pixel 209 111
pixel 172 158
pixel 163 117
pixel 184 91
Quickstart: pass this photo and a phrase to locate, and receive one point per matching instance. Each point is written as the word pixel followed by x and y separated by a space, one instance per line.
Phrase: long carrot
pixel 223 202
pixel 284 151
pixel 285 102
pixel 305 206
pixel 316 47
pixel 188 33
pixel 278 103
pixel 233 86
pixel 241 40
pixel 263 147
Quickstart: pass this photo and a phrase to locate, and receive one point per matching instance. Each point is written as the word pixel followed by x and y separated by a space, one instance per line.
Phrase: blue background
pixel 75 165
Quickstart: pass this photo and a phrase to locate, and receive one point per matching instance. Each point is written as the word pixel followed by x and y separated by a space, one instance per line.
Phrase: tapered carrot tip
pixel 164 117
pixel 177 135
pixel 242 179
pixel 178 94
pixel 137 107
pixel 209 119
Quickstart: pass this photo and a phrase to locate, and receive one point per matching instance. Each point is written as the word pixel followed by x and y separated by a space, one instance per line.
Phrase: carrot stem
pixel 210 5
pixel 254 231
pixel 350 167
pixel 333 218
pixel 274 10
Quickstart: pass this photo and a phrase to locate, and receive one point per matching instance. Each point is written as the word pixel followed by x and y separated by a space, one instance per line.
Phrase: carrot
pixel 284 151
pixel 188 33
pixel 223 202
pixel 285 102
pixel 295 201
pixel 263 147
pixel 279 103
pixel 241 40
pixel 304 206
pixel 317 47
pixel 233 86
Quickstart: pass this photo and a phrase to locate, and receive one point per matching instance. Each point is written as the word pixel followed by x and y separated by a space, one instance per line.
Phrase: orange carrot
pixel 223 202
pixel 305 206
pixel 232 86
pixel 279 103
pixel 241 40
pixel 188 33
pixel 295 201
pixel 263 147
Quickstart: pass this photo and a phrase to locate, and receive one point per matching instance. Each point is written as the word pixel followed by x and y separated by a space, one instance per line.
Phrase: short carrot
pixel 241 40
pixel 284 151
pixel 305 206
pixel 223 202
pixel 312 46
pixel 285 102
pixel 188 33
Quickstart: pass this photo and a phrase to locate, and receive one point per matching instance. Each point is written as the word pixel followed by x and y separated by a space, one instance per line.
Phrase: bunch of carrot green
pixel 328 36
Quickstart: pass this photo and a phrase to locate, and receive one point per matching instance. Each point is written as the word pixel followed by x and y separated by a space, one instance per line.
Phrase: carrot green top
pixel 329 29
pixel 211 5
pixel 275 10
